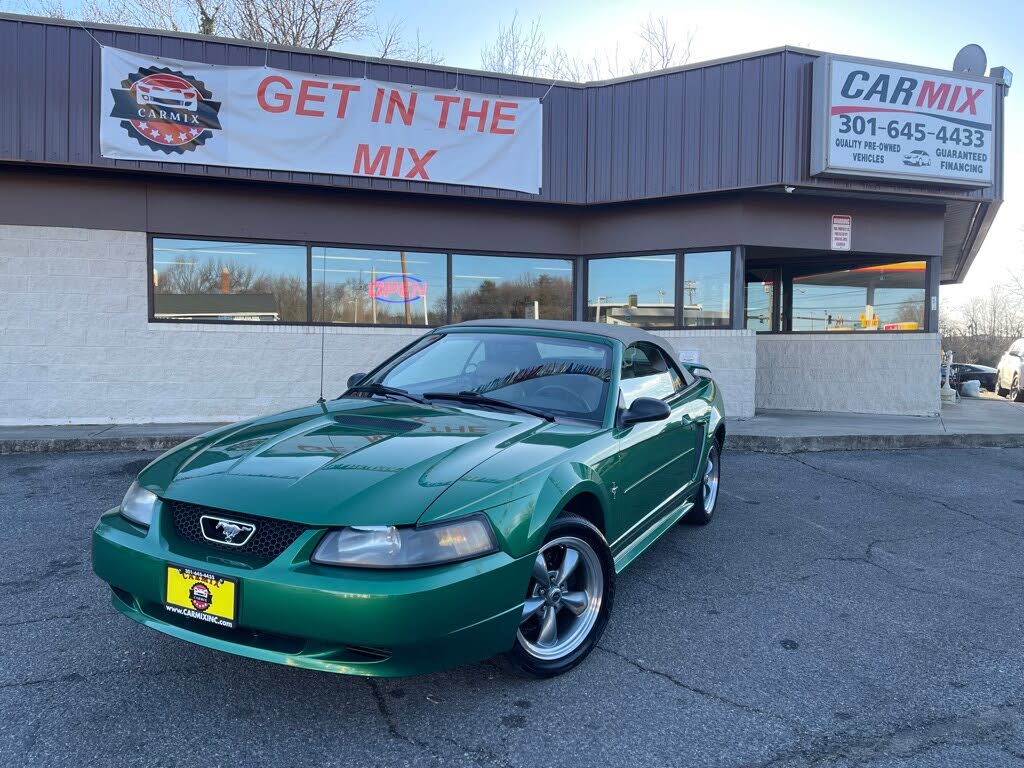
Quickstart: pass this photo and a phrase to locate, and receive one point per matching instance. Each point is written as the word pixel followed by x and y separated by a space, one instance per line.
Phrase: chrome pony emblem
pixel 221 530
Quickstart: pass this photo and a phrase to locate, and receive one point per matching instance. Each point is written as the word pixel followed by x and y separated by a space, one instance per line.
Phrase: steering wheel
pixel 584 406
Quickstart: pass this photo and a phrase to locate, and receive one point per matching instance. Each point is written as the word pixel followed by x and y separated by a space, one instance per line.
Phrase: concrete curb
pixel 95 444
pixel 811 443
pixel 758 443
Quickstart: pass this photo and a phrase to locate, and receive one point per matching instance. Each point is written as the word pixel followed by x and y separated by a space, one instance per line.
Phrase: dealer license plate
pixel 201 595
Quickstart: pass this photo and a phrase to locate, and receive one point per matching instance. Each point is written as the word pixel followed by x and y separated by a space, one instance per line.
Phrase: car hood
pixel 350 462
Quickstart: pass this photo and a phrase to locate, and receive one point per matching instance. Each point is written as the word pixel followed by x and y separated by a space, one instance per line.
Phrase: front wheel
pixel 707 497
pixel 568 600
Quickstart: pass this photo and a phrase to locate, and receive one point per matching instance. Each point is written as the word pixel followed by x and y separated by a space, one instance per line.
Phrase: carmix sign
pixel 888 122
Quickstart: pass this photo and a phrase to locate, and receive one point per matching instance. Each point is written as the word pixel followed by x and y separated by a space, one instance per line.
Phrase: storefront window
pixel 208 280
pixel 887 297
pixel 369 287
pixel 510 287
pixel 707 278
pixel 760 304
pixel 632 290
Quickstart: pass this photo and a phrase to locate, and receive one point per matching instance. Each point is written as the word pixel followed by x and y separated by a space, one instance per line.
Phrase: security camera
pixel 789 190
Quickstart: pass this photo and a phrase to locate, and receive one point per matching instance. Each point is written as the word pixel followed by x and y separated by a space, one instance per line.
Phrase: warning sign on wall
pixel 842 230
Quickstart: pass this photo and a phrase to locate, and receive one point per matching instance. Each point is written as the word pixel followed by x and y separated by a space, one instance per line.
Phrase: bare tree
pixel 517 50
pixel 1015 283
pixel 52 9
pixel 317 24
pixel 981 328
pixel 389 41
pixel 660 50
pixel 175 15
pixel 522 49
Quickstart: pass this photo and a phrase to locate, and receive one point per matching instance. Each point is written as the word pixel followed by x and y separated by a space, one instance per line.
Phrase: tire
pixel 999 390
pixel 579 624
pixel 1016 394
pixel 704 506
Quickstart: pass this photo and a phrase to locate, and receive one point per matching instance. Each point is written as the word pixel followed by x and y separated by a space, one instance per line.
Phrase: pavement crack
pixel 993 726
pixel 703 692
pixel 45 619
pixel 391 722
pixel 869 558
pixel 915 497
pixel 77 677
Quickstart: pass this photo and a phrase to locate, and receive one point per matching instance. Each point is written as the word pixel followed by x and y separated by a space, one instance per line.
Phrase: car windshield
pixel 563 377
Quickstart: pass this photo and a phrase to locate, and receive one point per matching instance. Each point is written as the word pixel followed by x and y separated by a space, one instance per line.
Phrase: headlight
pixel 138 505
pixel 388 546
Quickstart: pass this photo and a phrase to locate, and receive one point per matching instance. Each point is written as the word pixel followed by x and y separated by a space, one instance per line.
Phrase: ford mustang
pixel 475 495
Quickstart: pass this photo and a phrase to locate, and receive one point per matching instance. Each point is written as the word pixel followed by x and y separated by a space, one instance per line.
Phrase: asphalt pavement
pixel 844 609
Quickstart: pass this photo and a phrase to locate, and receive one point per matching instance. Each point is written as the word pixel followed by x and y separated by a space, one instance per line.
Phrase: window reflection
pixel 208 280
pixel 887 297
pixel 352 285
pixel 632 290
pixel 510 287
pixel 759 313
pixel 706 282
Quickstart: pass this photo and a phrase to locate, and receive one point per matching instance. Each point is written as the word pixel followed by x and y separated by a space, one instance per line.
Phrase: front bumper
pixel 348 620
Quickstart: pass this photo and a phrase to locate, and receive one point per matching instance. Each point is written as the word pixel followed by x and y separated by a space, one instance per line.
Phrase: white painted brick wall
pixel 732 358
pixel 76 347
pixel 877 373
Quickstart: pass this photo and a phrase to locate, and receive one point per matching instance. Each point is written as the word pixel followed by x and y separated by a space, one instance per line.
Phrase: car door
pixel 657 458
pixel 1009 364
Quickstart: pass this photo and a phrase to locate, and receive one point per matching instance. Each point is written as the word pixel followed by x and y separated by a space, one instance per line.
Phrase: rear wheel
pixel 1015 391
pixel 568 600
pixel 707 497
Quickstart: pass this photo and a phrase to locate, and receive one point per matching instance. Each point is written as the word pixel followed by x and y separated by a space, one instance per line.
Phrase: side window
pixel 646 372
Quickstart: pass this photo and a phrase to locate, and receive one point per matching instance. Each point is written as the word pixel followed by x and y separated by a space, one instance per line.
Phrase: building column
pixel 933 272
pixel 738 295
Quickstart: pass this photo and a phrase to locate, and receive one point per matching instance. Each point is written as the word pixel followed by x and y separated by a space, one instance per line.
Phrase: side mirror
pixel 645 409
pixel 354 379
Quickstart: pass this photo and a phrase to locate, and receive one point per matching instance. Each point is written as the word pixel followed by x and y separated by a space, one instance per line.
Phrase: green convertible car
pixel 476 494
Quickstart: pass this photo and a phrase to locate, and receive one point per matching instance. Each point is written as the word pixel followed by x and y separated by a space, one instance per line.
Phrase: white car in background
pixel 1010 376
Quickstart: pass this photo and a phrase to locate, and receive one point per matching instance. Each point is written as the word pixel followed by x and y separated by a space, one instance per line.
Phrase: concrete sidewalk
pixel 988 422
pixel 982 423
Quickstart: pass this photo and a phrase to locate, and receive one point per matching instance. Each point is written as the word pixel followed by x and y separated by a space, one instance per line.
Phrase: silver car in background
pixel 1010 376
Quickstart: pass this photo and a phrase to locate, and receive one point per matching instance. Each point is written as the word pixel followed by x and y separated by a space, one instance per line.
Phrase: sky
pixel 919 32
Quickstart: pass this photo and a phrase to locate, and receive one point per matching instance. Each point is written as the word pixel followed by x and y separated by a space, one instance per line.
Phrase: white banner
pixel 883 121
pixel 163 110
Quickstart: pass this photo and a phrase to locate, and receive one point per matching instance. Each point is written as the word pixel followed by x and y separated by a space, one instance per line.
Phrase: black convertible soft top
pixel 626 334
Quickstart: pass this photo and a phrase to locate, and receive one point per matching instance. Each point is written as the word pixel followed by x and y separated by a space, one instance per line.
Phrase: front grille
pixel 270 539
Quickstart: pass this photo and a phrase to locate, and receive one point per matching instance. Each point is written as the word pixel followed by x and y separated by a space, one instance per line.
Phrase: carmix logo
pixel 166 110
pixel 884 92
pixel 397 289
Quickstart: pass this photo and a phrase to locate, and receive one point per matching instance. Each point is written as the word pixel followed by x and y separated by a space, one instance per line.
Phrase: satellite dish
pixel 971 60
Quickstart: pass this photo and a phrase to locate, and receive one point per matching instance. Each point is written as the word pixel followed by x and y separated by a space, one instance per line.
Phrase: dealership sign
pixel 891 122
pixel 165 110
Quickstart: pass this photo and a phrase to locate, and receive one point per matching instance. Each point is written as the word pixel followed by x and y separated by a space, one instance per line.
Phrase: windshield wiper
pixel 477 399
pixel 383 389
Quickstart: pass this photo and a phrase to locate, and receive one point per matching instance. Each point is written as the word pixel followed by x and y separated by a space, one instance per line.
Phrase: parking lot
pixel 844 609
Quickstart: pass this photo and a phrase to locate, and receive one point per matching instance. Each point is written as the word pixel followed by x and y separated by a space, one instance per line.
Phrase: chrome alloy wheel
pixel 563 600
pixel 709 484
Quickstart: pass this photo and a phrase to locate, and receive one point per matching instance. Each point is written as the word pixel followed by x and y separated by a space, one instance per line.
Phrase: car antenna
pixel 323 328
